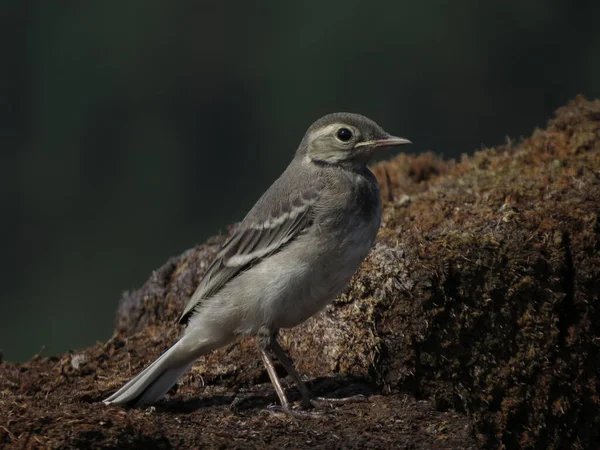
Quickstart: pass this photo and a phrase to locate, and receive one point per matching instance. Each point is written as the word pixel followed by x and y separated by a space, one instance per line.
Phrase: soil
pixel 474 323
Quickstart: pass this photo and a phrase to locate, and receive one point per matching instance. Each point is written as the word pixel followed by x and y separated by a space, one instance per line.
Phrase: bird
pixel 291 256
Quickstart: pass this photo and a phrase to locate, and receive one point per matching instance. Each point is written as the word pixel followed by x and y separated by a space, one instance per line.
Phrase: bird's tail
pixel 155 380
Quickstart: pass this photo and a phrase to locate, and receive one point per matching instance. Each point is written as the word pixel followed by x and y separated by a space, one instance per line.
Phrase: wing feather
pixel 252 242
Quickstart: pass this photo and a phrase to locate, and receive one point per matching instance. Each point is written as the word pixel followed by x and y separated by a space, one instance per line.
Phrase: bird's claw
pixel 320 402
pixel 294 414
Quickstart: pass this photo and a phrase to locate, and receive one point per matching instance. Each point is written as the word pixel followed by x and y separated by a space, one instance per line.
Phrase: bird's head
pixel 345 139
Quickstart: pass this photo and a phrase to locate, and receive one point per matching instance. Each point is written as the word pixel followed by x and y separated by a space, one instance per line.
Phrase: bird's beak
pixel 388 141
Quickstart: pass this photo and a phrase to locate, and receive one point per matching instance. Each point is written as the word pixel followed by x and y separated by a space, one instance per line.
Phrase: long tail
pixel 155 380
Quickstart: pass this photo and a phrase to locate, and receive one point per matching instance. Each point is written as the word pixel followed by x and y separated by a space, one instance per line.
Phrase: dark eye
pixel 344 134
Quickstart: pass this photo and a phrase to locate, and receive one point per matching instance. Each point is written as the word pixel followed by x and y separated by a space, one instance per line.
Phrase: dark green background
pixel 131 131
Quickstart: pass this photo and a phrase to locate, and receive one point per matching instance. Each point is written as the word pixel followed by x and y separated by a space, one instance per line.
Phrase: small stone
pixel 78 360
pixel 404 200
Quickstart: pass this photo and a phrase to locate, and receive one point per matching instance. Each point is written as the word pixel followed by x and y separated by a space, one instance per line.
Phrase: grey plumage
pixel 292 254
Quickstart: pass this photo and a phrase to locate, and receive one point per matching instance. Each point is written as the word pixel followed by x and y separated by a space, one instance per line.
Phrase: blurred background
pixel 132 131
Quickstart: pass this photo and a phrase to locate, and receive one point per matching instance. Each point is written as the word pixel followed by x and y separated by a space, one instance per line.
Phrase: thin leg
pixel 307 398
pixel 274 378
pixel 287 363
pixel 265 339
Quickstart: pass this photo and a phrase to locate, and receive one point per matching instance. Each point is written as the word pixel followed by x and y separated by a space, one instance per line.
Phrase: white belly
pixel 296 282
pixel 293 285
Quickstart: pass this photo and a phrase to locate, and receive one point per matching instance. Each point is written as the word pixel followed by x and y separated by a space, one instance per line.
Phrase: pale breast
pixel 331 254
pixel 288 287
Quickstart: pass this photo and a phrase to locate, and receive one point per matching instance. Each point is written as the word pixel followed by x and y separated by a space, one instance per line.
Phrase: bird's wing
pixel 262 233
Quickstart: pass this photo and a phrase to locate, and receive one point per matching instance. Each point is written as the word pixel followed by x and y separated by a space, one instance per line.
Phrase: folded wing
pixel 264 234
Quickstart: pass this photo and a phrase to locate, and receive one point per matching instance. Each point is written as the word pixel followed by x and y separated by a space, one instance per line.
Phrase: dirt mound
pixel 474 322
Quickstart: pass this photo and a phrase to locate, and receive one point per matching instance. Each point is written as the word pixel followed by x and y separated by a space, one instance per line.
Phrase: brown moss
pixel 481 296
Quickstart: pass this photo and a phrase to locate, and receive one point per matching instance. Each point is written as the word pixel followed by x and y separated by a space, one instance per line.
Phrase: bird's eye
pixel 344 134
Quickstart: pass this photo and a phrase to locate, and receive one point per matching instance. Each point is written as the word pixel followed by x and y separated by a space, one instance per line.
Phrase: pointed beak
pixel 388 141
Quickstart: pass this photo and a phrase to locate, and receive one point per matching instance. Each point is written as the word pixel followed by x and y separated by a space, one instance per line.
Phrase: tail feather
pixel 153 382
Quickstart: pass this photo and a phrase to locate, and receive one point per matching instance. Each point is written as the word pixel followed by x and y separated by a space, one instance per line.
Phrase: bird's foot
pixel 321 402
pixel 294 414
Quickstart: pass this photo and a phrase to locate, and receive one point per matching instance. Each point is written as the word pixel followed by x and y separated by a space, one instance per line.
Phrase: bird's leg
pixel 288 364
pixel 265 342
pixel 264 339
pixel 308 400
